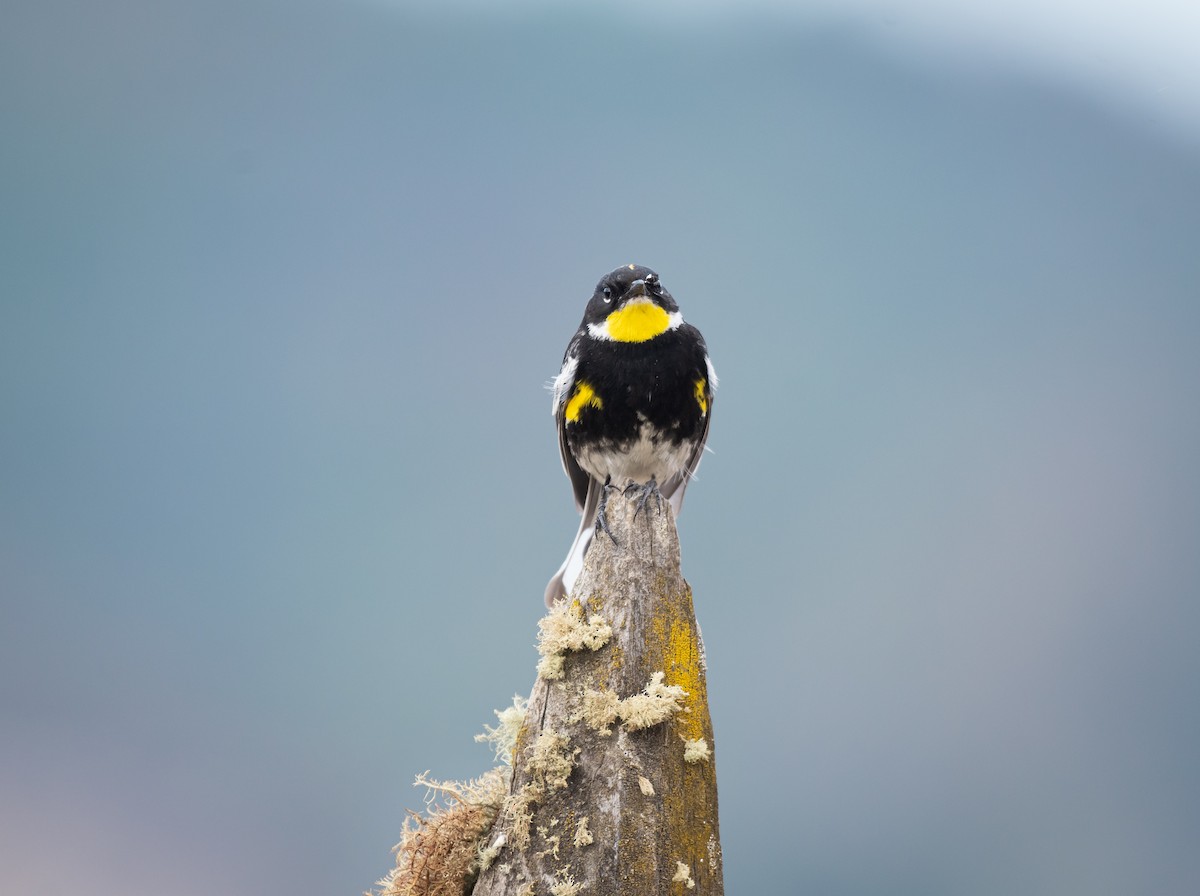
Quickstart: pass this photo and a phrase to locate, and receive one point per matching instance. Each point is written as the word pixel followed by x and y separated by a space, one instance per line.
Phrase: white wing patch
pixel 712 373
pixel 562 383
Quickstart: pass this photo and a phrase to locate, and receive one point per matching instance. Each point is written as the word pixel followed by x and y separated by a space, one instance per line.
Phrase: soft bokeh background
pixel 279 492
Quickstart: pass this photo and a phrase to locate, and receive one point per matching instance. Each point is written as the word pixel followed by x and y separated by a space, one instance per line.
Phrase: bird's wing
pixel 564 383
pixel 679 483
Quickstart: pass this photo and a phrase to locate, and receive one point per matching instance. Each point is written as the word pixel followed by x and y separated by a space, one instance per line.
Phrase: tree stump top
pixel 614 783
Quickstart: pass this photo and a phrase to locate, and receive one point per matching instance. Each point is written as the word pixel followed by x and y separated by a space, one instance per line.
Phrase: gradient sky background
pixel 282 284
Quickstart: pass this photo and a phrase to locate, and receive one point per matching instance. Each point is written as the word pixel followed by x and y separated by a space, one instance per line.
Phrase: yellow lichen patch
pixel 702 395
pixel 671 634
pixel 672 639
pixel 584 397
pixel 638 321
pixel 616 659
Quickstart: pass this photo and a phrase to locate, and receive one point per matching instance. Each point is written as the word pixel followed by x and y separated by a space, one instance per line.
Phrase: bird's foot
pixel 646 492
pixel 601 515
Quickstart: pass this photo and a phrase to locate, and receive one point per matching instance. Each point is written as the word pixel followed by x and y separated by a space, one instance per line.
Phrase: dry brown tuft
pixel 438 854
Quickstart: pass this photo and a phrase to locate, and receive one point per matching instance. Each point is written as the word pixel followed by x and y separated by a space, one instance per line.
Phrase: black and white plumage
pixel 632 402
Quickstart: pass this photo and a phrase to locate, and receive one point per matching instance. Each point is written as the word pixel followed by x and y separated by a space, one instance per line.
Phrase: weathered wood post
pixel 614 786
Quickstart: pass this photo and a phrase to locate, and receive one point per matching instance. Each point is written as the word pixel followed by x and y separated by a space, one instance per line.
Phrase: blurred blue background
pixel 279 490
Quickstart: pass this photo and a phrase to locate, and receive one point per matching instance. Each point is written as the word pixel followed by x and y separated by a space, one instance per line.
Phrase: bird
pixel 632 404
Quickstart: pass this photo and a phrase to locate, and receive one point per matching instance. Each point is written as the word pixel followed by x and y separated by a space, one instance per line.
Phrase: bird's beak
pixel 636 289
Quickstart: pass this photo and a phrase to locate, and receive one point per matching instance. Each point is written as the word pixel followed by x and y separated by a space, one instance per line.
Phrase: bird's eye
pixel 607 294
pixel 652 281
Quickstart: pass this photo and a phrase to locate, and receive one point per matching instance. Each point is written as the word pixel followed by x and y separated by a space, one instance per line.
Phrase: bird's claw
pixel 601 516
pixel 648 491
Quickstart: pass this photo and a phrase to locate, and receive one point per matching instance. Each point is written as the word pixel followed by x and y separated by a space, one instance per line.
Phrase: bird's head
pixel 630 304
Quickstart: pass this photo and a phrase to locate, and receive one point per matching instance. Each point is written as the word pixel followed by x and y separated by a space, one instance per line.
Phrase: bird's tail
pixel 564 580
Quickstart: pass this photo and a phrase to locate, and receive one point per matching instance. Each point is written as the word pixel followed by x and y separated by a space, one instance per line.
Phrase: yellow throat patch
pixel 584 397
pixel 638 321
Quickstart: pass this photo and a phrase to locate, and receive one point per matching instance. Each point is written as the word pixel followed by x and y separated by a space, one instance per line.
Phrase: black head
pixel 622 286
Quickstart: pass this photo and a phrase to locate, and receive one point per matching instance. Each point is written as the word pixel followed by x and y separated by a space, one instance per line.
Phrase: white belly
pixel 641 461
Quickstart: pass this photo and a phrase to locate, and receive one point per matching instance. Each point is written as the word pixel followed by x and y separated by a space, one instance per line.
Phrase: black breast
pixel 654 381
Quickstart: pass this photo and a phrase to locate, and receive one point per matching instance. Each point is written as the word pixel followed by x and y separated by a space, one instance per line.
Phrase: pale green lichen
pixel 503 736
pixel 655 704
pixel 567 885
pixel 564 629
pixel 553 841
pixel 519 811
pixel 600 710
pixel 645 786
pixel 551 760
pixel 583 837
pixel 696 750
pixel 550 667
pixel 488 854
pixel 683 875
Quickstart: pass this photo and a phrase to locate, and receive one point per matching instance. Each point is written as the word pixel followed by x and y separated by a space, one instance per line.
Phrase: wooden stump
pixel 614 784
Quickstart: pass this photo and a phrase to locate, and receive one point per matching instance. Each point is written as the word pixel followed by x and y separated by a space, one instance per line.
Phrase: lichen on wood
pixel 564 629
pixel 614 788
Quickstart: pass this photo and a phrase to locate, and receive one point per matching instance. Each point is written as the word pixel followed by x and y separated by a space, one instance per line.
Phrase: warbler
pixel 632 403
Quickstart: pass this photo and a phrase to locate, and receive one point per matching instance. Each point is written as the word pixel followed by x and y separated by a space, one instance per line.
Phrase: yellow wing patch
pixel 637 322
pixel 702 396
pixel 583 397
